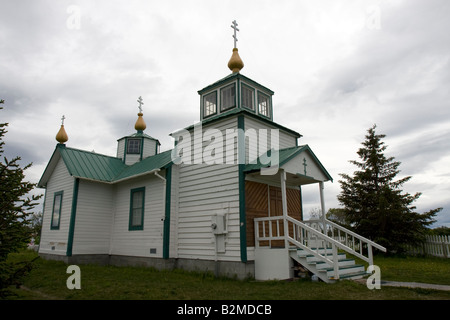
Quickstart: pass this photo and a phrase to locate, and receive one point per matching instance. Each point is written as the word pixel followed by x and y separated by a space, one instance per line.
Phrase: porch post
pixel 284 202
pixel 322 205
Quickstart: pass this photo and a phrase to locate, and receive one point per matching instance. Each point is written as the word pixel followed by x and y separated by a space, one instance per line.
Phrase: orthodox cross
pixel 62 120
pixel 141 102
pixel 304 164
pixel 234 26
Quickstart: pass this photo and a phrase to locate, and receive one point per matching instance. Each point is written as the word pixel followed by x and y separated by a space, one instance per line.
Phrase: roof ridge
pixel 92 152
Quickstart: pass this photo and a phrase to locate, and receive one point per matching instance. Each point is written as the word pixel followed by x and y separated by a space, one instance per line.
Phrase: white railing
pixel 354 243
pixel 310 236
pixel 302 236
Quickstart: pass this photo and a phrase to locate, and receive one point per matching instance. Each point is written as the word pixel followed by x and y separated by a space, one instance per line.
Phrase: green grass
pixel 414 269
pixel 48 281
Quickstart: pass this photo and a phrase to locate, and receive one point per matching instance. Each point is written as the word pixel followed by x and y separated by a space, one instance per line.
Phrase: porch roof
pixel 296 165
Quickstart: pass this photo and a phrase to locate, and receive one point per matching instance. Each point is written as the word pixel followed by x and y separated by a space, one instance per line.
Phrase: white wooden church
pixel 226 199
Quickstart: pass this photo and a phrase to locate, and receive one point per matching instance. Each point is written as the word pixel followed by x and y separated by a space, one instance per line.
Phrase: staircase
pixel 320 246
pixel 347 268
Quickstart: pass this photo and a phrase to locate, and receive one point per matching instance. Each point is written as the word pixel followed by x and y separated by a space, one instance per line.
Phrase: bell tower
pixel 235 92
pixel 137 146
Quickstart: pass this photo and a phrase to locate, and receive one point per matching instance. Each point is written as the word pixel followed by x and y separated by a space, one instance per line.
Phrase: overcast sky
pixel 337 67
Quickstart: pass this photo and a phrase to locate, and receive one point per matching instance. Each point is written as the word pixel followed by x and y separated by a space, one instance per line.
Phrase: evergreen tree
pixel 374 204
pixel 15 210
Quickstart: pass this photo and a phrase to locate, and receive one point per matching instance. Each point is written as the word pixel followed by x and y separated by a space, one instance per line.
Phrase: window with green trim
pixel 210 104
pixel 247 97
pixel 137 201
pixel 56 210
pixel 134 146
pixel 228 97
pixel 263 104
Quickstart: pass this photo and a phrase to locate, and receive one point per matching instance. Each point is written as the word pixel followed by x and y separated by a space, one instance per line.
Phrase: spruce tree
pixel 15 210
pixel 375 205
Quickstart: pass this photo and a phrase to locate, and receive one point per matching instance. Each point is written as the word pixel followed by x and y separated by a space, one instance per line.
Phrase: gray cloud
pixel 333 76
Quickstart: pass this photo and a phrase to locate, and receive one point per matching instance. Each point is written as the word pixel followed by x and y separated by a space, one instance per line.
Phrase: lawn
pixel 47 281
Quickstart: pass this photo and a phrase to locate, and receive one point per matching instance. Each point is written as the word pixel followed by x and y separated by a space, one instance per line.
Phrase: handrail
pixel 336 243
pixel 301 244
pixel 353 234
pixel 304 233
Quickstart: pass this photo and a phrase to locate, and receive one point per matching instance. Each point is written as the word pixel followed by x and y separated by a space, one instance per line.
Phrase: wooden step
pixel 347 268
pixel 341 263
pixel 356 268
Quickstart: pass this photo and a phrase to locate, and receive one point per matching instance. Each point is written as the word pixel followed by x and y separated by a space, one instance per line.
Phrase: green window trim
pixel 56 214
pixel 210 104
pixel 134 146
pixel 248 97
pixel 228 97
pixel 264 105
pixel 137 204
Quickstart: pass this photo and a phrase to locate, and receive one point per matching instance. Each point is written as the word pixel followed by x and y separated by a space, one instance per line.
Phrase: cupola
pixel 137 146
pixel 235 92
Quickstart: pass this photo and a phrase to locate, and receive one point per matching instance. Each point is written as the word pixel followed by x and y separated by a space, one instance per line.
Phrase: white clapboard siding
pixel 149 148
pixel 55 241
pixel 205 190
pixel 296 165
pixel 286 140
pixel 93 218
pixel 120 148
pixel 139 242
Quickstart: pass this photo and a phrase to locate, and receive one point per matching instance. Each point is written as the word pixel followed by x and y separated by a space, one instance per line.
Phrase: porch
pixel 280 236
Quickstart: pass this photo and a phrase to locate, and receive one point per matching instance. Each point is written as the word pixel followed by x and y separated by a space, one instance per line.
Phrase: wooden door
pixel 257 204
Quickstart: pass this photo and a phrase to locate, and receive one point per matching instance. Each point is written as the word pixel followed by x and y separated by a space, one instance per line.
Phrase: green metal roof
pixel 90 165
pixel 98 167
pixel 158 161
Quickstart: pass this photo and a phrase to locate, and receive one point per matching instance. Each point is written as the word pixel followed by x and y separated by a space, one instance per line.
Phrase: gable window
pixel 56 211
pixel 263 105
pixel 210 104
pixel 247 97
pixel 228 97
pixel 134 146
pixel 137 200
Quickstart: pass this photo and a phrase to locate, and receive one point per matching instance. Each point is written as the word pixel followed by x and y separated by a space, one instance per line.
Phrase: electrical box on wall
pixel 219 223
pixel 219 229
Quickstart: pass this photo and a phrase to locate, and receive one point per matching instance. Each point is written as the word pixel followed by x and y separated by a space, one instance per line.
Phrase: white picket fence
pixel 438 246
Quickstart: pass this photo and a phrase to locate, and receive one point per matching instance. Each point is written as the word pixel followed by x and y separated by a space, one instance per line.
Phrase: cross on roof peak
pixel 62 120
pixel 141 102
pixel 234 26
